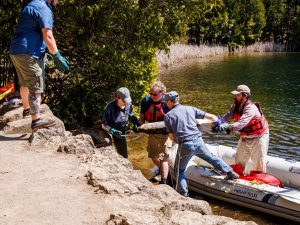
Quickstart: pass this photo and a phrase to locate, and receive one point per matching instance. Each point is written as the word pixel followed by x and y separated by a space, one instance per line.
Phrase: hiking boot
pixel 163 181
pixel 155 179
pixel 231 176
pixel 26 113
pixel 186 195
pixel 39 124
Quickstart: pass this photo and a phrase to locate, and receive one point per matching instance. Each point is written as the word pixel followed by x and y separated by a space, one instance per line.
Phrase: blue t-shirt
pixel 181 121
pixel 147 101
pixel 28 37
pixel 116 117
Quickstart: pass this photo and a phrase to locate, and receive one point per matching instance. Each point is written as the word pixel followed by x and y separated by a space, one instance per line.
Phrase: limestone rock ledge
pixel 136 200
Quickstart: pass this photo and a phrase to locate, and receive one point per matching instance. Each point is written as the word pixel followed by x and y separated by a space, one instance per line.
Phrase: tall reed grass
pixel 181 52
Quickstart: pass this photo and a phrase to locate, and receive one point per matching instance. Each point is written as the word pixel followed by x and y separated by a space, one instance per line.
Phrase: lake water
pixel 274 80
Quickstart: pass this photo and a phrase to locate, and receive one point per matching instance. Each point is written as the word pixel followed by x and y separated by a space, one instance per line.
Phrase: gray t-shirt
pixel 181 121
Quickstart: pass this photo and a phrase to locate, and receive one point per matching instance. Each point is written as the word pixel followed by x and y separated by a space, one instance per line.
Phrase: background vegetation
pixel 244 22
pixel 114 43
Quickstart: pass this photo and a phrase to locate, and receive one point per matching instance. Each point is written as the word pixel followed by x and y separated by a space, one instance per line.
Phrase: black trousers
pixel 121 146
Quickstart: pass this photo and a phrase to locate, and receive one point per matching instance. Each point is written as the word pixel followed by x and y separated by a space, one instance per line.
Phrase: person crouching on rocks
pixel 181 125
pixel 115 117
pixel 153 110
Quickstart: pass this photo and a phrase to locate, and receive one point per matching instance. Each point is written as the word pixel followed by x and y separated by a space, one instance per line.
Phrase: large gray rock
pixel 53 136
pixel 111 174
pixel 15 124
pixel 10 105
pixel 18 126
pixel 17 114
pixel 24 125
pixel 79 144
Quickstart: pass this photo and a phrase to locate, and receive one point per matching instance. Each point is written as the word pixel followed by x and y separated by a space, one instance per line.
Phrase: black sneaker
pixel 163 181
pixel 231 176
pixel 39 124
pixel 26 113
pixel 155 179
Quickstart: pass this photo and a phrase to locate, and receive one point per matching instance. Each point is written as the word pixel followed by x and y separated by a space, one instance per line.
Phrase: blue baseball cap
pixel 172 95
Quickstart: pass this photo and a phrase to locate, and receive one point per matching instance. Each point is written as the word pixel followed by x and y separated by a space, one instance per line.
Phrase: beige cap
pixel 241 89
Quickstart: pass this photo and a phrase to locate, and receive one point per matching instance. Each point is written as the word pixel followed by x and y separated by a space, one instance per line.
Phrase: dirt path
pixel 44 187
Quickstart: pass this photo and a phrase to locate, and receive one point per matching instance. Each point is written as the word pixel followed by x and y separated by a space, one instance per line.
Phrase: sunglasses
pixel 154 94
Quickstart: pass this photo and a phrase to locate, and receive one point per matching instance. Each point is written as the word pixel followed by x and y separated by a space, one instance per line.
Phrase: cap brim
pixel 127 100
pixel 235 92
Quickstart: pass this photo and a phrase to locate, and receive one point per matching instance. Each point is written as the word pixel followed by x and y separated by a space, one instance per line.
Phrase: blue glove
pixel 116 133
pixel 61 63
pixel 218 122
pixel 221 128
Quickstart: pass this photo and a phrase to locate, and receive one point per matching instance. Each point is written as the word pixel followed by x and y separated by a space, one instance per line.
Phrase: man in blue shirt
pixel 181 125
pixel 27 50
pixel 116 115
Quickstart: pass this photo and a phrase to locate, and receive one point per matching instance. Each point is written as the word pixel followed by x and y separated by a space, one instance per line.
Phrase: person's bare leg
pixel 156 161
pixel 24 92
pixel 35 102
pixel 164 169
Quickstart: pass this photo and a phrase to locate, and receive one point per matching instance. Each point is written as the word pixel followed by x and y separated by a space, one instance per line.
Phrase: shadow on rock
pixel 21 137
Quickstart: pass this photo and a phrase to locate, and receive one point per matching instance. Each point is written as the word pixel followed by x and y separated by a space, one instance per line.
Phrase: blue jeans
pixel 187 150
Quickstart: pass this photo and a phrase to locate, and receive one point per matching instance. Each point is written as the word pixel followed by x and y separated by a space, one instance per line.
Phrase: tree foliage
pixel 111 44
pixel 296 34
pixel 244 22
pixel 114 43
pixel 8 19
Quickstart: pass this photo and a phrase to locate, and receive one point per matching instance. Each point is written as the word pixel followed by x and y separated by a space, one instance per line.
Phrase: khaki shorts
pixel 31 72
pixel 156 146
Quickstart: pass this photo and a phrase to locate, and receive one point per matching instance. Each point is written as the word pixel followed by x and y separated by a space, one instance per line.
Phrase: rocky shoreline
pixel 129 196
